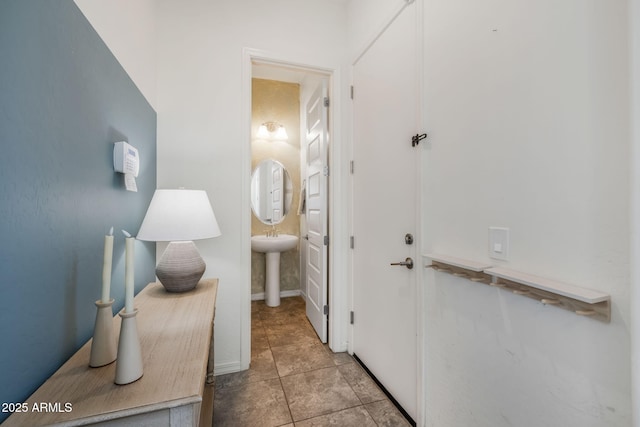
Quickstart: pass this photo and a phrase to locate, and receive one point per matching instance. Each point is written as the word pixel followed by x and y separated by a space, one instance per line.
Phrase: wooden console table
pixel 176 337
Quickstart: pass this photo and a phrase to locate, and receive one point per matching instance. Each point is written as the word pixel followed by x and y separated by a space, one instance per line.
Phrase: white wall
pixel 129 30
pixel 366 19
pixel 634 53
pixel 201 125
pixel 528 121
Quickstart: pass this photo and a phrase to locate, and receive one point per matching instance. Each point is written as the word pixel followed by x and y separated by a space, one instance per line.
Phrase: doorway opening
pixel 289 186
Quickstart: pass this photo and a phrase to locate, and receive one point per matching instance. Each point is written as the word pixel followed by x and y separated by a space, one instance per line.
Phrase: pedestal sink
pixel 271 246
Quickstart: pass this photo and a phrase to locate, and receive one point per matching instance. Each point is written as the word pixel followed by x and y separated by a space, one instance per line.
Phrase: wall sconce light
pixel 272 130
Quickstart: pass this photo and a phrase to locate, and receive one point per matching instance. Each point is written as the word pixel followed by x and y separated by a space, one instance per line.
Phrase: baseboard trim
pixel 283 294
pixel 385 391
pixel 227 368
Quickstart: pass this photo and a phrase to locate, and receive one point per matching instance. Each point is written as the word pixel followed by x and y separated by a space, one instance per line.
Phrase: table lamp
pixel 179 217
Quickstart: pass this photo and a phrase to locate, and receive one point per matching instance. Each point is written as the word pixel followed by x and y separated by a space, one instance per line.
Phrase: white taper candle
pixel 128 272
pixel 106 267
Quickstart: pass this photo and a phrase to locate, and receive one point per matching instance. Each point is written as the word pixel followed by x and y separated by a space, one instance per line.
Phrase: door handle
pixel 407 263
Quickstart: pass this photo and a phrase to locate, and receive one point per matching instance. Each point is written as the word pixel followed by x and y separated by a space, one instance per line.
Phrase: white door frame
pixel 420 303
pixel 338 200
pixel 634 54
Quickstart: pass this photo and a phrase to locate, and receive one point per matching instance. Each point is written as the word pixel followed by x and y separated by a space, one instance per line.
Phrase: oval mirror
pixel 271 192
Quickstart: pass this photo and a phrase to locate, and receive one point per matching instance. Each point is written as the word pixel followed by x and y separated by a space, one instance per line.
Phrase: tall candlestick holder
pixel 103 345
pixel 129 363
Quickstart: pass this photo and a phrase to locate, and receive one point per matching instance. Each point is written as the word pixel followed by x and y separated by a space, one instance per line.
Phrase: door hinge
pixel 326 310
pixel 351 91
pixel 326 240
pixel 415 139
pixel 351 318
pixel 326 101
pixel 325 171
pixel 351 242
pixel 351 167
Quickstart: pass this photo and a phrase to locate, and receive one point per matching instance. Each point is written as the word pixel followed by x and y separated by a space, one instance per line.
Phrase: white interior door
pixel 316 210
pixel 385 209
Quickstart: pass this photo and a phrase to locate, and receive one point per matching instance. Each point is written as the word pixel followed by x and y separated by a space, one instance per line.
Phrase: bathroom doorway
pixel 290 128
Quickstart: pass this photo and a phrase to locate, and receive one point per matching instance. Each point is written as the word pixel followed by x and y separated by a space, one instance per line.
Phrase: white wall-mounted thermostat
pixel 126 161
pixel 125 158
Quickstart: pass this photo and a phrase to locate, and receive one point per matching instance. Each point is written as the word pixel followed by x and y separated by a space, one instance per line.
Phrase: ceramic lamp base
pixel 103 345
pixel 129 364
pixel 181 267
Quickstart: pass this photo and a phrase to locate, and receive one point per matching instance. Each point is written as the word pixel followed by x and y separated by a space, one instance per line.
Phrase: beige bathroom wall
pixel 274 101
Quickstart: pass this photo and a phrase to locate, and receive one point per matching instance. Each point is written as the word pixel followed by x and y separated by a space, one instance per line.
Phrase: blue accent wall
pixel 64 101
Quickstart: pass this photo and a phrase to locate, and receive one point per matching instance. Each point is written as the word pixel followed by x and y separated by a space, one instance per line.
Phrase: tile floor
pixel 295 380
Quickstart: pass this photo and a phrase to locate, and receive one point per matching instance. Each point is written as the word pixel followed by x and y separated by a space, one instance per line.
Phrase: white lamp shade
pixel 179 215
pixel 263 132
pixel 281 133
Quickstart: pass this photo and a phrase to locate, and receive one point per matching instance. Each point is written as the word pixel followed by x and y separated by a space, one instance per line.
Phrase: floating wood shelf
pixel 459 262
pixel 459 267
pixel 584 302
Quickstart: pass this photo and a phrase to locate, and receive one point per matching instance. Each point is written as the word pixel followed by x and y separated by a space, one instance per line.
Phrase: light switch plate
pixel 499 243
